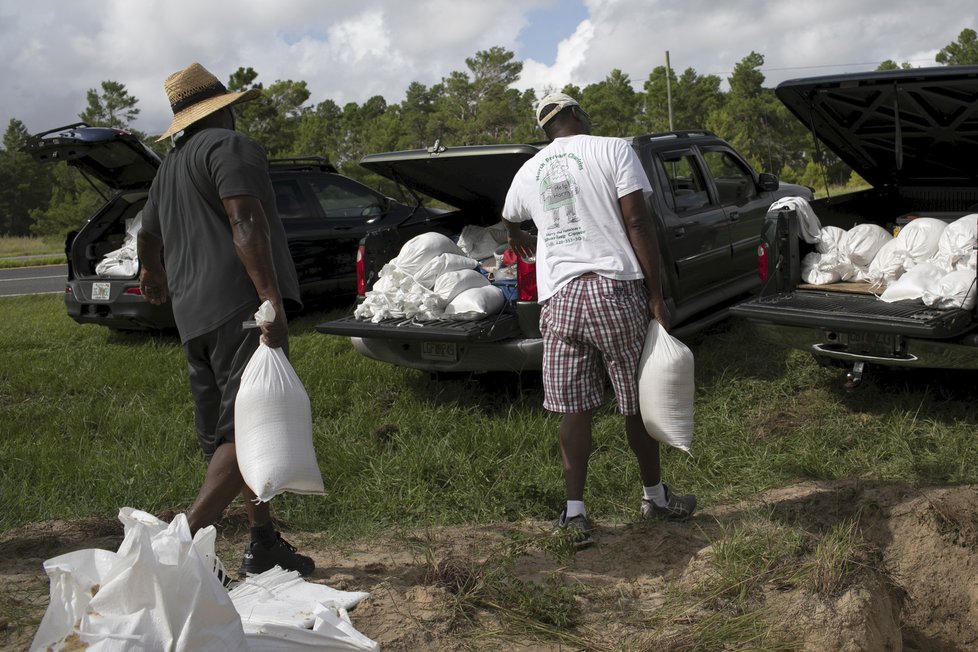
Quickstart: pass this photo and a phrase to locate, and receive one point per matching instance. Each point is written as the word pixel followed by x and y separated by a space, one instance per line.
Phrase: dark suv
pixel 325 215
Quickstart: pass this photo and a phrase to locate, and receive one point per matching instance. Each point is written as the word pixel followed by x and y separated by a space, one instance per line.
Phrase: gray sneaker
pixel 577 529
pixel 677 507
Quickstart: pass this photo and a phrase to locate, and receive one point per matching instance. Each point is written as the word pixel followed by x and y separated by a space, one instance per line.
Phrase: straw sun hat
pixel 195 93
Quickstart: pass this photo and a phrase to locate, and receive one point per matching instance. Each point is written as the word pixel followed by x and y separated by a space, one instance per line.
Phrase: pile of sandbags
pixel 432 278
pixel 940 255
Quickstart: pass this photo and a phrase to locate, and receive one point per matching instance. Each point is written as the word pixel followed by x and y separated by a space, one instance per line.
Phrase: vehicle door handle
pixel 734 216
pixel 679 231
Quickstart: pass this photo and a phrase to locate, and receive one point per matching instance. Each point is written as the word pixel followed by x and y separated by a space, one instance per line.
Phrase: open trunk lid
pixel 474 178
pixel 115 157
pixel 916 127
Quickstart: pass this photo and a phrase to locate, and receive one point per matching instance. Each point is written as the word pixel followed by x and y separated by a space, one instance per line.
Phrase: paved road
pixel 33 280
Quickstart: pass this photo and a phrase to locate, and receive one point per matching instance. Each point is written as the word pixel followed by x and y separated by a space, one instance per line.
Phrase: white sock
pixel 656 494
pixel 575 508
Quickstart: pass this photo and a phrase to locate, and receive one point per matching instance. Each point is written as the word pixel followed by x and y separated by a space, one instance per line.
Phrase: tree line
pixel 477 105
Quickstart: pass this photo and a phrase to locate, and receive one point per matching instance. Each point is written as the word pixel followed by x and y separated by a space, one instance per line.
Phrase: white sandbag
pixel 829 239
pixel 451 284
pixel 969 261
pixel 416 252
pixel 816 270
pixel 273 425
pixel 157 592
pixel 666 388
pixel 862 242
pixel 808 224
pixel 954 290
pixel 475 303
pixel 957 243
pixel 123 262
pixel 397 295
pixel 479 242
pixel 889 263
pixel 920 238
pixel 441 264
pixel 913 283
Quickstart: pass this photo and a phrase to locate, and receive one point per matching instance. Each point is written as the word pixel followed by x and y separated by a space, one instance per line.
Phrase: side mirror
pixel 768 182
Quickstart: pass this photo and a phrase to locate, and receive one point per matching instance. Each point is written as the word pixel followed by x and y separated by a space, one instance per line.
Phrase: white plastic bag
pixel 921 238
pixel 820 269
pixel 451 284
pixel 862 242
pixel 666 388
pixel 416 252
pixel 281 611
pixel 829 238
pixel 475 303
pixel 157 592
pixel 123 262
pixel 479 242
pixel 441 264
pixel 955 249
pixel 954 290
pixel 808 224
pixel 889 263
pixel 913 283
pixel 273 425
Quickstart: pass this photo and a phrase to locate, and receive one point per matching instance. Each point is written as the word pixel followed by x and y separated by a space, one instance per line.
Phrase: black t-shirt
pixel 208 283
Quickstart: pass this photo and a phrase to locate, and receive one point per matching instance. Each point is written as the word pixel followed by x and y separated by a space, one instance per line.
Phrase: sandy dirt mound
pixel 514 587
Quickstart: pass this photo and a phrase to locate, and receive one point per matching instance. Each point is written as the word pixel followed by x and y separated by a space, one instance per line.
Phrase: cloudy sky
pixel 349 50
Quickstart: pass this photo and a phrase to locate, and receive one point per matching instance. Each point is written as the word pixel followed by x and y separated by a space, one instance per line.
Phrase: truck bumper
pixel 517 355
pixel 878 349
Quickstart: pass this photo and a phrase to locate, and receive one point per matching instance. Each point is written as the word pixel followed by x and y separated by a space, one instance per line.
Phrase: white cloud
pixel 350 51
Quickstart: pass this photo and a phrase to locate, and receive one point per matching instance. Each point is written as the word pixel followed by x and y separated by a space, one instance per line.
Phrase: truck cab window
pixel 685 190
pixel 735 184
pixel 341 197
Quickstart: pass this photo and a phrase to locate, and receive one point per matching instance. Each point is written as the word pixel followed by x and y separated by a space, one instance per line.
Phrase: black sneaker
pixel 259 558
pixel 577 529
pixel 677 508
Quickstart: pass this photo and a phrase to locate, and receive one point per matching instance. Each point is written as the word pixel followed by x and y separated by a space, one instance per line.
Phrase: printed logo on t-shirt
pixel 558 189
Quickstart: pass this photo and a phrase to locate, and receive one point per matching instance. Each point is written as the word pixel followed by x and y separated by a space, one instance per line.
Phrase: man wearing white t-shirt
pixel 597 265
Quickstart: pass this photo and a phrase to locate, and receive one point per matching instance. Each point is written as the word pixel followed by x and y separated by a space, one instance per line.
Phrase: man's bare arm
pixel 152 277
pixel 249 229
pixel 641 234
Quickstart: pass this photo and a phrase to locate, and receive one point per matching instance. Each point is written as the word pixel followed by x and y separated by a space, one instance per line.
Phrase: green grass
pixel 109 417
pixel 94 420
pixel 42 251
pixel 23 246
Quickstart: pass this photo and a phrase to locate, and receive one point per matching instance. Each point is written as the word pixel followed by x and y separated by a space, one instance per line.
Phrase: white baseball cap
pixel 560 100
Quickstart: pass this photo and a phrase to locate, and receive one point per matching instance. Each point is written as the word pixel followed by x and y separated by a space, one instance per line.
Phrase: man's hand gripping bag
pixel 273 425
pixel 665 388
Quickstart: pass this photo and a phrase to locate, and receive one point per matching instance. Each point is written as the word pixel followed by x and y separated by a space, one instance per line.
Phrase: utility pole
pixel 669 89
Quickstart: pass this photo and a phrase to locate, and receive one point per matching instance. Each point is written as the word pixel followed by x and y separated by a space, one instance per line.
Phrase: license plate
pixel 445 351
pixel 879 344
pixel 100 291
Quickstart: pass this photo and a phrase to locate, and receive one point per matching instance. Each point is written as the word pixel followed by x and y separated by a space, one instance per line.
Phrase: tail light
pixel 762 271
pixel 361 273
pixel 526 279
pixel 134 290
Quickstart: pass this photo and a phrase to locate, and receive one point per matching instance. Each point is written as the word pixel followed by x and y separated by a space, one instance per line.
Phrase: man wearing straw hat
pixel 212 242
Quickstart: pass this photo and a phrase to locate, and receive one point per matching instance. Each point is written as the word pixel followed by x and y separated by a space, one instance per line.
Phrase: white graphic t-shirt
pixel 570 190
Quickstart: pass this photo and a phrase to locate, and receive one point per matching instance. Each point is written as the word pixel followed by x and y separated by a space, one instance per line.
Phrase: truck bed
pixel 491 329
pixel 842 309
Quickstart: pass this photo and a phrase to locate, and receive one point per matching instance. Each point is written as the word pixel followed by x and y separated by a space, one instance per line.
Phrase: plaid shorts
pixel 591 320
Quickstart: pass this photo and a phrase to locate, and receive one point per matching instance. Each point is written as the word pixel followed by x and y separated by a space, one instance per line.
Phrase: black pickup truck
pixel 913 135
pixel 707 202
